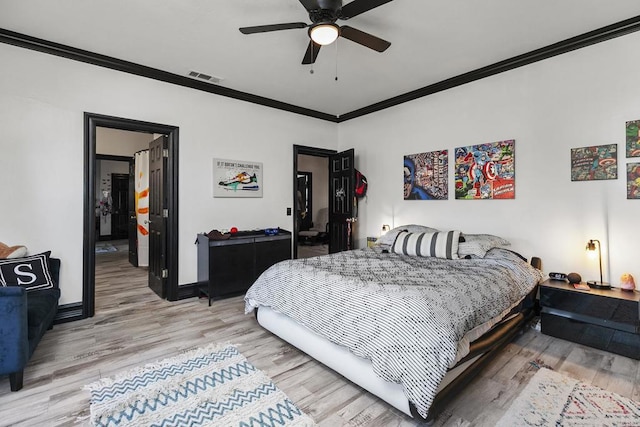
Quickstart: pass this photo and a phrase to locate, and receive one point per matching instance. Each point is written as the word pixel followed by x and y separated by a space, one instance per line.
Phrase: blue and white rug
pixel 212 386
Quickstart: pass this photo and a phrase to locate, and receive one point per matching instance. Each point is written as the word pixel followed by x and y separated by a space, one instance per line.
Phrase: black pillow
pixel 31 273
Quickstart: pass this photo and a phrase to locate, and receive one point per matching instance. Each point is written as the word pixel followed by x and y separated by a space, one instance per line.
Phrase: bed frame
pixel 360 371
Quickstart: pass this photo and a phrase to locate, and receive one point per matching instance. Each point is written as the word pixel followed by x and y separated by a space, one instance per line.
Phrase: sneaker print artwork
pixel 236 178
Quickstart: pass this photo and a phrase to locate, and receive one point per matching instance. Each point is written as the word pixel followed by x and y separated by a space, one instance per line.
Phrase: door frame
pixel 91 122
pixel 309 151
pixel 112 158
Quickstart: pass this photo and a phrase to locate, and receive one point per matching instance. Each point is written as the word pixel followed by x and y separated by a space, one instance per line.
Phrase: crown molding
pixel 69 52
pixel 608 32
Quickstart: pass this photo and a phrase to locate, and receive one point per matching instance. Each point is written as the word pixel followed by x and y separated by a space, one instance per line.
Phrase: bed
pixel 411 320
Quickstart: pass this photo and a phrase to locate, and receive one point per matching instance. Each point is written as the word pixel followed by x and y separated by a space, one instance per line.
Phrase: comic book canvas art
pixel 594 163
pixel 633 138
pixel 486 171
pixel 633 180
pixel 425 176
pixel 235 178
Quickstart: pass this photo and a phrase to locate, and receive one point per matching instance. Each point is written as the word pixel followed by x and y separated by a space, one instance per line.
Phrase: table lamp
pixel 591 247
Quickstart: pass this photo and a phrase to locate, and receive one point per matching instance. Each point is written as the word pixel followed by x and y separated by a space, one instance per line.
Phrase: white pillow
pixel 441 244
pixel 390 236
pixel 479 244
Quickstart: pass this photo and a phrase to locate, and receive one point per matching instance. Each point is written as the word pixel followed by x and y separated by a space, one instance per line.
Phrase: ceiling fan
pixel 323 29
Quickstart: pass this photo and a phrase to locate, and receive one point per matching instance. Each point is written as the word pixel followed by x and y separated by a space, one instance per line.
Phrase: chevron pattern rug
pixel 553 399
pixel 212 386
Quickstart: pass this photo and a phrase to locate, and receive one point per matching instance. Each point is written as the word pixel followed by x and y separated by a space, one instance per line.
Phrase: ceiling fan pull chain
pixel 311 56
pixel 336 60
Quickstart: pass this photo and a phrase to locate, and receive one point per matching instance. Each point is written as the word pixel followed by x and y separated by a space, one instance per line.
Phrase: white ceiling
pixel 431 40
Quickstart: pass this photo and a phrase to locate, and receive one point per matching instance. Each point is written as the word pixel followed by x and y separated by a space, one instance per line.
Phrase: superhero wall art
pixel 425 176
pixel 486 171
pixel 633 180
pixel 633 138
pixel 594 163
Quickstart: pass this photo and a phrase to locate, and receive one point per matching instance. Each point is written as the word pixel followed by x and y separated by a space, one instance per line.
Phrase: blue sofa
pixel 24 318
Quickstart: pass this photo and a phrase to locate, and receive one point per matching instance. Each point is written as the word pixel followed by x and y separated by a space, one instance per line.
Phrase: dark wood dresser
pixel 229 267
pixel 608 319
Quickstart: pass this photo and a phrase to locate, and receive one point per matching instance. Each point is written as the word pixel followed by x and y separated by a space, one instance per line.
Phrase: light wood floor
pixel 133 327
pixel 308 251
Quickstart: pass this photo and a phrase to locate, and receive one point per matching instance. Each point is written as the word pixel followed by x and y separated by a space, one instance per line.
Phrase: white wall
pixel 574 100
pixel 577 99
pixel 42 154
pixel 117 142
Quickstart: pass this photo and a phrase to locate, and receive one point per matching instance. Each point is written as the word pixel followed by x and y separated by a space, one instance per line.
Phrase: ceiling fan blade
pixel 312 53
pixel 365 39
pixel 273 27
pixel 356 7
pixel 310 4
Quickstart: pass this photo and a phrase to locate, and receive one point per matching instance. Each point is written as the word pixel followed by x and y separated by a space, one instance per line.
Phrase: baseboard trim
pixel 69 313
pixel 189 290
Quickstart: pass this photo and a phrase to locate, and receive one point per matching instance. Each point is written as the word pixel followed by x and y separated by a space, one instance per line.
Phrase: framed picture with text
pixel 237 178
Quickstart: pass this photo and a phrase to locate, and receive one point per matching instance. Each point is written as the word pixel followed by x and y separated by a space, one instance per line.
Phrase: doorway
pixel 311 201
pixel 170 211
pixel 120 206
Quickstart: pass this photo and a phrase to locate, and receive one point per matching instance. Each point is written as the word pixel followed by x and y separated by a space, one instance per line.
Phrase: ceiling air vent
pixel 205 77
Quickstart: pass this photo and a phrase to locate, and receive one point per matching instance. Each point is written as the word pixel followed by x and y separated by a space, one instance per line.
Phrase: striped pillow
pixel 440 244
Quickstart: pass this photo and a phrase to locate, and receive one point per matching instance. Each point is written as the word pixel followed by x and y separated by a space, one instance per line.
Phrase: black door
pixel 304 206
pixel 119 206
pixel 133 221
pixel 341 200
pixel 157 220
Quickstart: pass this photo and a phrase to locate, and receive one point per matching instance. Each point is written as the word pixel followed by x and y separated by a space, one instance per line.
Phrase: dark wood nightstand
pixel 605 319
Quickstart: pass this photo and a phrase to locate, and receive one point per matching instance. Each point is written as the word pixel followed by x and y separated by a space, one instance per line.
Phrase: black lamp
pixel 591 246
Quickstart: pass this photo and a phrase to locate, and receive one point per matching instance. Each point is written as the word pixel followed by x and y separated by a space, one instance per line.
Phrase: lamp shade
pixel 324 33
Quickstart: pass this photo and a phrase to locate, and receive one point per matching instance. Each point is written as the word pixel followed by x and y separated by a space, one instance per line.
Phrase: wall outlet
pixel 288 211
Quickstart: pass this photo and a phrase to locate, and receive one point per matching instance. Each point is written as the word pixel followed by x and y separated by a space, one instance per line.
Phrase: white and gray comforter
pixel 405 314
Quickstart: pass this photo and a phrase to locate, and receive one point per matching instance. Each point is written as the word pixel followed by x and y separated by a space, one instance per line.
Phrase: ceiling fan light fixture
pixel 324 33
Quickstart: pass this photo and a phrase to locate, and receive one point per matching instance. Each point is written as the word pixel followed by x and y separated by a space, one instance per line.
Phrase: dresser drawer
pixel 592 335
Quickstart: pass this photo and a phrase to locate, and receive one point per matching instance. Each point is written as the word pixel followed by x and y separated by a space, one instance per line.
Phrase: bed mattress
pixel 406 315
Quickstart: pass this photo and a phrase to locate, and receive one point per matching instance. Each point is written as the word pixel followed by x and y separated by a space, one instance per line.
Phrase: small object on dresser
pixel 233 230
pixel 627 282
pixel 598 285
pixel 557 276
pixel 582 286
pixel 216 235
pixel 271 231
pixel 574 278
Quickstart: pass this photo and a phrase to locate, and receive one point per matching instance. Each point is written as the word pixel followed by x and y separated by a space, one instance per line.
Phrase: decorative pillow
pixel 30 272
pixel 8 252
pixel 390 236
pixel 479 244
pixel 488 239
pixel 441 244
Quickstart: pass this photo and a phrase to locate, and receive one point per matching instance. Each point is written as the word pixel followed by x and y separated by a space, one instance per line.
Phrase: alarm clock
pixel 557 276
